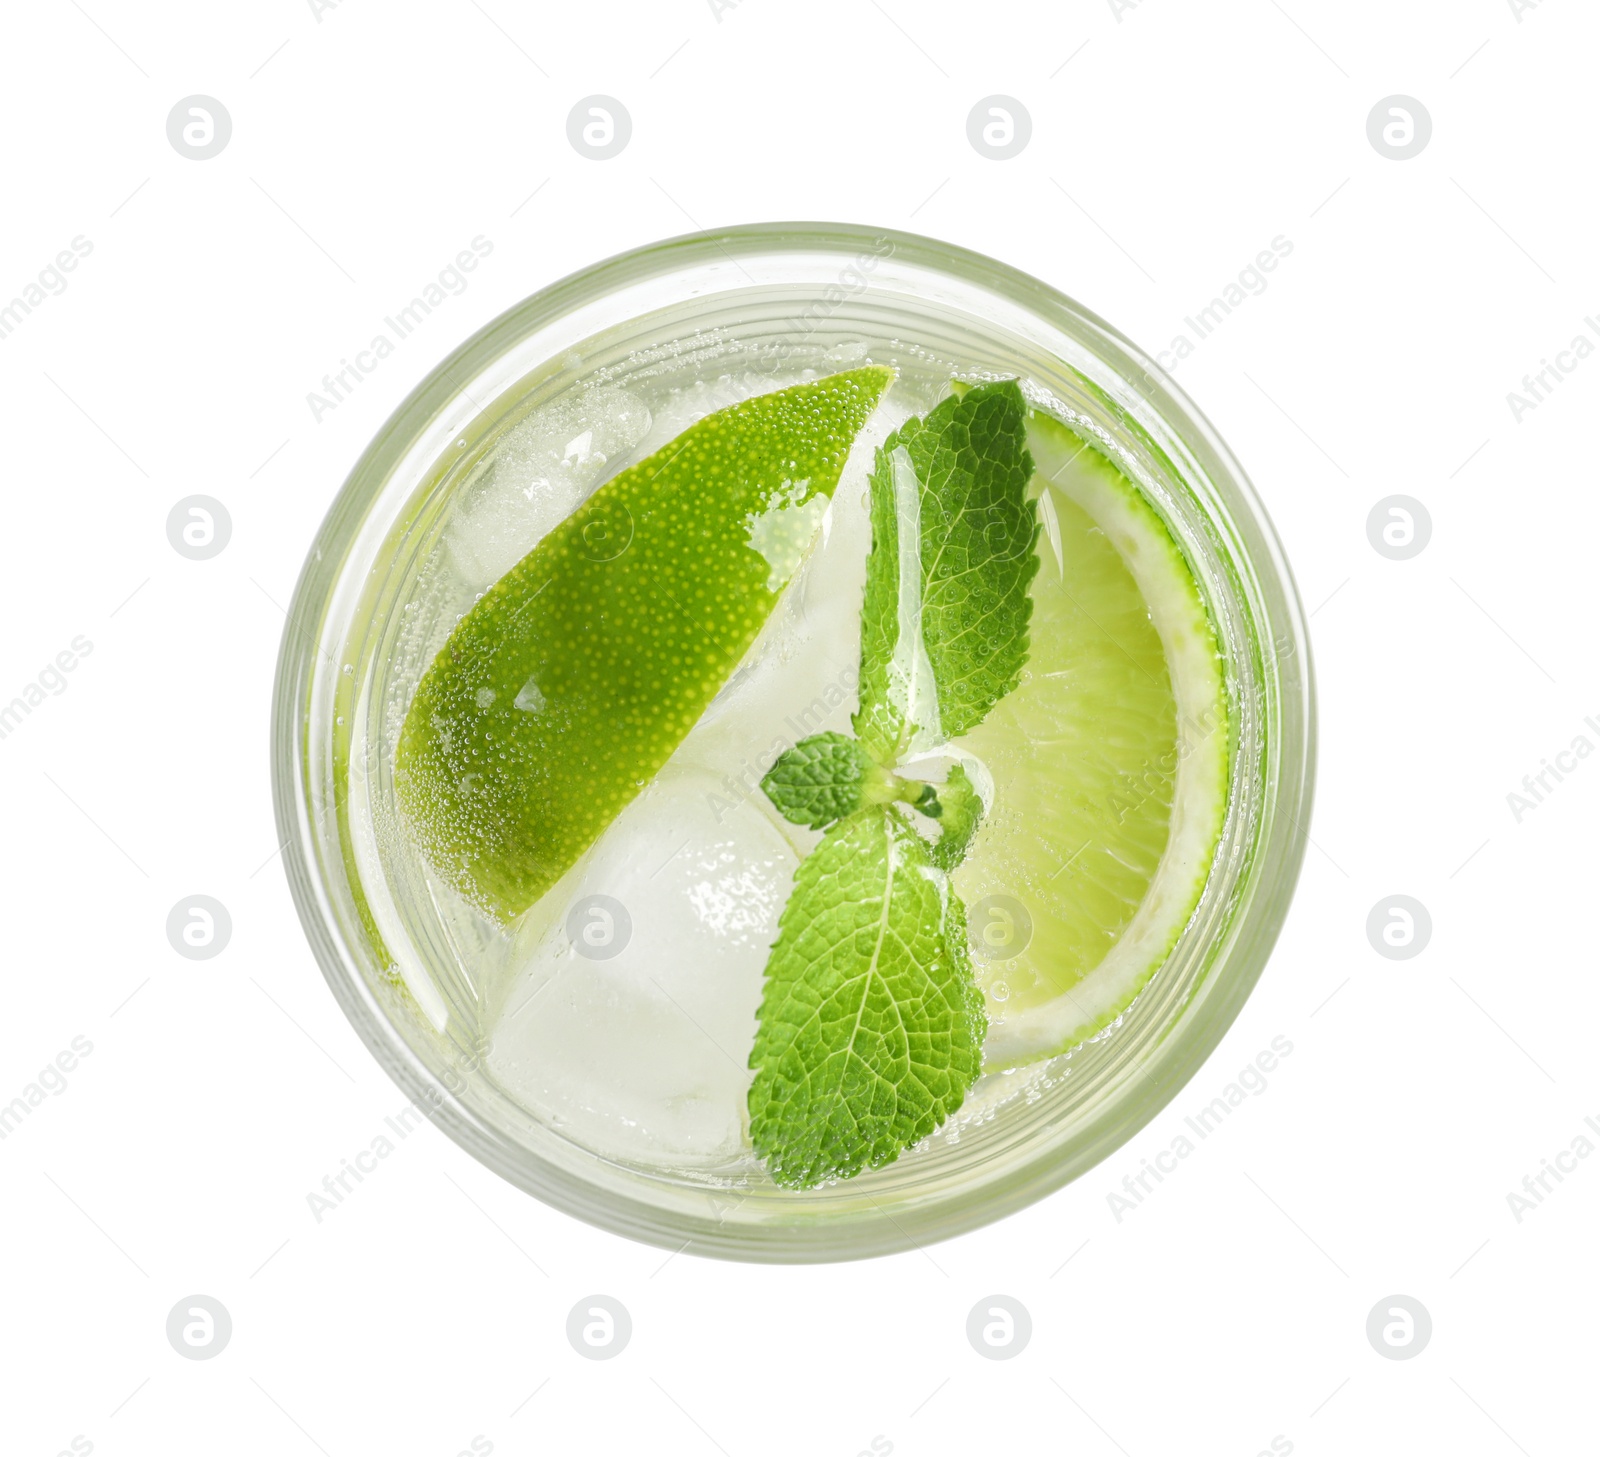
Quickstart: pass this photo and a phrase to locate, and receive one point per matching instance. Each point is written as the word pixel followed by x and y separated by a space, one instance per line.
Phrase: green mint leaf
pixel 828 776
pixel 819 780
pixel 895 672
pixel 962 811
pixel 871 1025
pixel 944 623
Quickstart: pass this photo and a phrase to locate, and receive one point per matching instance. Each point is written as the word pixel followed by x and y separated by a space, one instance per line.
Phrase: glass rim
pixel 1171 1064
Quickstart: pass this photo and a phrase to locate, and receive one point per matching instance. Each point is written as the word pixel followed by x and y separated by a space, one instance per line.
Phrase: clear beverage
pixel 603 1037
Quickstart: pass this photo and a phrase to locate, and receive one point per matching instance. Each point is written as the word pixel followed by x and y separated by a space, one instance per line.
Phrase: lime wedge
pixel 1110 763
pixel 559 696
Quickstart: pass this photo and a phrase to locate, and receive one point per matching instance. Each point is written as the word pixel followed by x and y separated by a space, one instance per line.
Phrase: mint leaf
pixel 828 776
pixel 819 780
pixel 896 676
pixel 944 624
pixel 871 1026
pixel 962 811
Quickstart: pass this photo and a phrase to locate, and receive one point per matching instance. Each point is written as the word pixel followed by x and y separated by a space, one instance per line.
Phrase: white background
pixel 1170 145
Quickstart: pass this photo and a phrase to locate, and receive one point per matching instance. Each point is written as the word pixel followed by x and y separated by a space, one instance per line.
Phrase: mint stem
pixel 884 786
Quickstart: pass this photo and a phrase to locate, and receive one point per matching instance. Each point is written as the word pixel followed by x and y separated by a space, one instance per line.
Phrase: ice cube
pixel 632 1016
pixel 546 466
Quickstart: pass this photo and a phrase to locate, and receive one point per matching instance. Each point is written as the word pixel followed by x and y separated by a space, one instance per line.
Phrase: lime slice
pixel 1110 763
pixel 562 692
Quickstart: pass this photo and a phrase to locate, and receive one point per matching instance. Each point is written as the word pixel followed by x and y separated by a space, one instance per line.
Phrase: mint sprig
pixel 871 1026
pixel 871 1023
